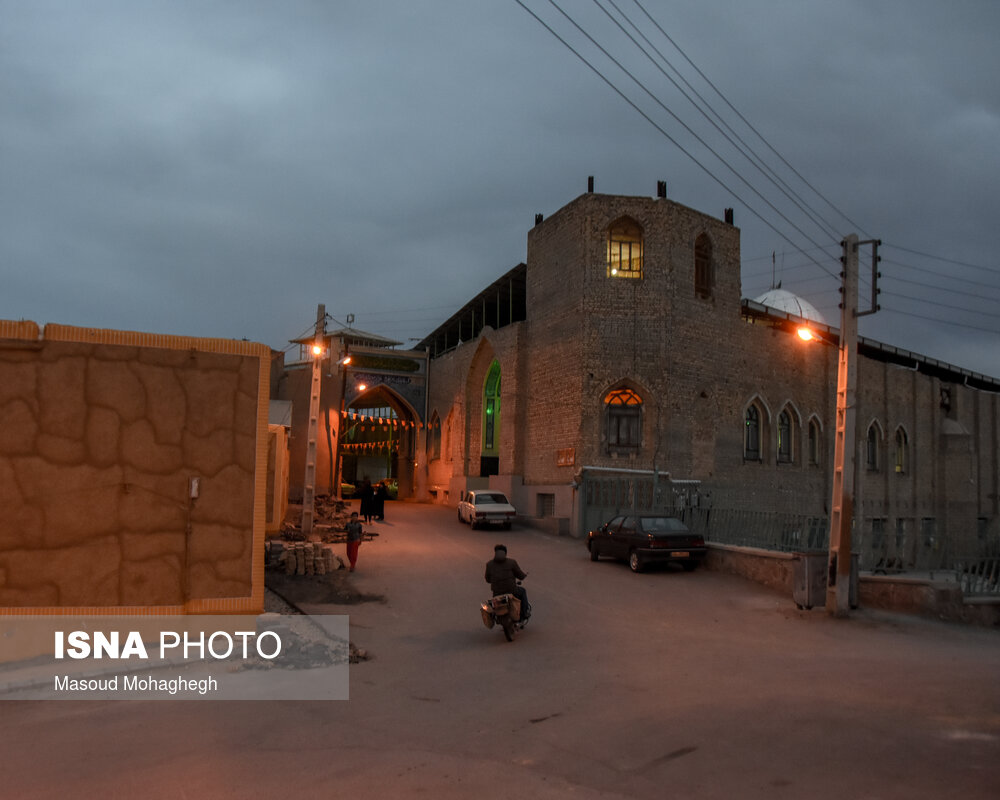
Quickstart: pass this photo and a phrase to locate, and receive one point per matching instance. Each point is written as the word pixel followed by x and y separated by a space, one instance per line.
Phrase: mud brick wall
pixel 101 435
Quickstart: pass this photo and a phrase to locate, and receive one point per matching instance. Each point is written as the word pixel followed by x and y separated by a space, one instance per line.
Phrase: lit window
pixel 623 408
pixel 625 249
pixel 704 277
pixel 491 410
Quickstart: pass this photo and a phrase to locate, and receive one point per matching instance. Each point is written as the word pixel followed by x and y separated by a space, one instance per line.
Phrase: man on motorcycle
pixel 502 574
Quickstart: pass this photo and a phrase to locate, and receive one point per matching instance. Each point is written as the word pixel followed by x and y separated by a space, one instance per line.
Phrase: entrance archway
pixel 378 440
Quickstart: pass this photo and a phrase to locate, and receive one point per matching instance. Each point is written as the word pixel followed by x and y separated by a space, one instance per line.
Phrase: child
pixel 354 535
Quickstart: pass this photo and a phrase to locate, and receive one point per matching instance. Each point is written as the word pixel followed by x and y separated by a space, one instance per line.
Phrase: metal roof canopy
pixel 352 336
pixel 501 303
pixel 754 311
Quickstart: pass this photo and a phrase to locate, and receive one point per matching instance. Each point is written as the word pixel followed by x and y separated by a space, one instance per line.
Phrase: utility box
pixel 809 579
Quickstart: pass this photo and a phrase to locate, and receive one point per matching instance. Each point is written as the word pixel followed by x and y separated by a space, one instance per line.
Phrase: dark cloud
pixel 219 168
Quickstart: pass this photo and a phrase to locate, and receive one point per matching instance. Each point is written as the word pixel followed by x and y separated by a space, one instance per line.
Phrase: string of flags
pixel 386 422
pixel 371 447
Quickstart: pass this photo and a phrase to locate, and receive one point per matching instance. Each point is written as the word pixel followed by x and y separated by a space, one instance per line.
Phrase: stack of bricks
pixel 309 558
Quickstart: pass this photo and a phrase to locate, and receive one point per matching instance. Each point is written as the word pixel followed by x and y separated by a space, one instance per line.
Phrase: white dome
pixel 783 300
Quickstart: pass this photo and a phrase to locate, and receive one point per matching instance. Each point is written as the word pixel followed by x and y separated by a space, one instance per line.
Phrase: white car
pixel 487 508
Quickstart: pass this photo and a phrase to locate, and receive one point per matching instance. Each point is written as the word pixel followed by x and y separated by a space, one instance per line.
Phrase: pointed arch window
pixel 491 410
pixel 814 442
pixel 625 249
pixel 871 447
pixel 902 454
pixel 784 438
pixel 704 277
pixel 623 412
pixel 489 459
pixel 751 433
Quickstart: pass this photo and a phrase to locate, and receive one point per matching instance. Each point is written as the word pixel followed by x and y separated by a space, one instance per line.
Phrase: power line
pixel 991 270
pixel 951 278
pixel 939 304
pixel 977 295
pixel 659 128
pixel 942 321
pixel 752 157
pixel 747 122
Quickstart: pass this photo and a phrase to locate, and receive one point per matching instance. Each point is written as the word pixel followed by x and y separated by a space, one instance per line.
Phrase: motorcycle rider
pixel 502 574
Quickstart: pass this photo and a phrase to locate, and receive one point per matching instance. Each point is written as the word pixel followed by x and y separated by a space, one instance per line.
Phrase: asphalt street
pixel 662 684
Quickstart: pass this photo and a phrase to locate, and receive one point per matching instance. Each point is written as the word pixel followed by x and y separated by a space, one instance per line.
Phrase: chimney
pixel 661 190
pixel 729 216
pixel 590 185
pixel 538 219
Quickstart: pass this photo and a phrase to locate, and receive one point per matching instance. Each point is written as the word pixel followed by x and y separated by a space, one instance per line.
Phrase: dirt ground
pixel 332 588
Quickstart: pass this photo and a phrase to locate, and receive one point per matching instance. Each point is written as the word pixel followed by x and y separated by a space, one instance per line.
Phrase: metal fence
pixel 917 552
pixel 979 577
pixel 920 549
pixel 766 530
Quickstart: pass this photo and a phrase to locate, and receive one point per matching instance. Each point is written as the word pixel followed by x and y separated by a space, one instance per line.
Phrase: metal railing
pixel 979 577
pixel 766 530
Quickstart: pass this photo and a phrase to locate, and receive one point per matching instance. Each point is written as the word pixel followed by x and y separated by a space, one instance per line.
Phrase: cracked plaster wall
pixel 101 433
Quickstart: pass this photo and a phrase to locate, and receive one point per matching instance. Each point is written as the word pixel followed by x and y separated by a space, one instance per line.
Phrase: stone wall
pixel 697 365
pixel 103 434
pixel 922 596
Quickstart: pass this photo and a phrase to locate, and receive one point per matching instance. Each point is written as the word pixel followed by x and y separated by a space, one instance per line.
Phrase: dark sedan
pixel 640 540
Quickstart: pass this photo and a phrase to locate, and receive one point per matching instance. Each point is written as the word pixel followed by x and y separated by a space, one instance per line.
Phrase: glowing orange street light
pixel 362 387
pixel 805 334
pixel 317 350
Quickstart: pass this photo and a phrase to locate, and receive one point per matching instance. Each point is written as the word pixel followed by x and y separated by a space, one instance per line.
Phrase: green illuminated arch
pixel 491 411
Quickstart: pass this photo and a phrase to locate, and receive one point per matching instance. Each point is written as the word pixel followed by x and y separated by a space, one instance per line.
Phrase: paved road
pixel 664 684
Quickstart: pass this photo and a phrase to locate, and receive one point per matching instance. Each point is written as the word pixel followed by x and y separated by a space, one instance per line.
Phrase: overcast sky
pixel 219 168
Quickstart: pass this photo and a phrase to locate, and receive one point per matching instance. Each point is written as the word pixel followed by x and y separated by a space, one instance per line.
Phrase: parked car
pixel 487 508
pixel 640 540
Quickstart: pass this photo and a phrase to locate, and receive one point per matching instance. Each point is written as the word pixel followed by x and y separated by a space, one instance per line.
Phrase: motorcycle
pixel 505 609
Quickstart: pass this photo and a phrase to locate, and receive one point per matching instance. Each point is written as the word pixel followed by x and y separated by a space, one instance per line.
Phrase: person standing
pixel 355 533
pixel 381 493
pixel 367 495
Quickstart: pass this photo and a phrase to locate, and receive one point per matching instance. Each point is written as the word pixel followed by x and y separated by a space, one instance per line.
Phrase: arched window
pixel 490 457
pixel 871 447
pixel 902 454
pixel 784 437
pixel 704 278
pixel 815 442
pixel 623 410
pixel 751 434
pixel 625 249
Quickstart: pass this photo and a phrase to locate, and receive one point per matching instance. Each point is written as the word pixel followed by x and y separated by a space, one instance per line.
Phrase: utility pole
pixel 309 482
pixel 838 586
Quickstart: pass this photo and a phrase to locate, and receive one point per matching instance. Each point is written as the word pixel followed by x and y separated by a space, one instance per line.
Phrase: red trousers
pixel 352 552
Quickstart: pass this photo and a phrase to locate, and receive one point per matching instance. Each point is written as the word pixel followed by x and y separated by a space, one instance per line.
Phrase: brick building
pixel 623 349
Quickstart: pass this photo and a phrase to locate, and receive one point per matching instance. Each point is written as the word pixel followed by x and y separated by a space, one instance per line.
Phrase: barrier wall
pixel 133 472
